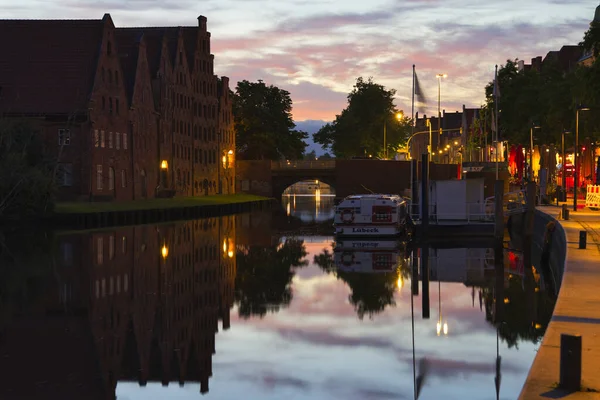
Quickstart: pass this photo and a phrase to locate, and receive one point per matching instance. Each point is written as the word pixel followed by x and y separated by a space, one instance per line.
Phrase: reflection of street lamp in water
pixel 400 283
pixel 441 325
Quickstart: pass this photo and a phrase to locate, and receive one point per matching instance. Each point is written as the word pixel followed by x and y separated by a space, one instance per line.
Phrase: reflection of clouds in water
pixel 318 349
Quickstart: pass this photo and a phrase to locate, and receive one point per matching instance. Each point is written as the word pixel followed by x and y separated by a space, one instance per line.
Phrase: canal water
pixel 263 306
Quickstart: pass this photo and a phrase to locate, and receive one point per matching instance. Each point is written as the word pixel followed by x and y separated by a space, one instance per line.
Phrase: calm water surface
pixel 240 307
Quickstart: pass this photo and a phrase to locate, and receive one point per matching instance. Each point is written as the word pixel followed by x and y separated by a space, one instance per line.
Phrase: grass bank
pixel 153 204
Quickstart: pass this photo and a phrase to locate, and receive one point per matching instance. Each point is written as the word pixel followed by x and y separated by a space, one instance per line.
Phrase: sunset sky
pixel 317 49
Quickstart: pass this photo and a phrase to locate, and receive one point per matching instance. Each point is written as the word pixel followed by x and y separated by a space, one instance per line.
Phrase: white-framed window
pixel 123 178
pixel 99 177
pixel 118 141
pixel 111 178
pixel 64 137
pixel 124 141
pixel 100 251
pixel 64 174
pixel 102 139
pixel 96 138
pixel 110 140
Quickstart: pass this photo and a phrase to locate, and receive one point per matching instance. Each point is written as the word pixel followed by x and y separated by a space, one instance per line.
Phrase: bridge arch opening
pixel 311 200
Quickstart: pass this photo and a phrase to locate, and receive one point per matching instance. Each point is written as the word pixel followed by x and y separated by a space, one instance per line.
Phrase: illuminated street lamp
pixel 399 116
pixel 576 173
pixel 533 126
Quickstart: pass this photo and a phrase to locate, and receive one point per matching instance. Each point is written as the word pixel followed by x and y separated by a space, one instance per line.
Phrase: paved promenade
pixel 577 311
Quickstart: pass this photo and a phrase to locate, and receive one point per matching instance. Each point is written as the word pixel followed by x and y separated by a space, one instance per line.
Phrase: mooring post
pixel 565 212
pixel 530 208
pixel 424 195
pixel 499 282
pixel 414 186
pixel 414 280
pixel 570 362
pixel 582 239
pixel 499 208
pixel 425 280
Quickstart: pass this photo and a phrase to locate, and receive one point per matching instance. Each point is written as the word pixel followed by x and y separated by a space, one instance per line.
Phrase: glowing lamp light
pixel 506 300
pixel 164 251
pixel 400 283
pixel 439 327
pixel 230 152
pixel 230 254
pixel 164 164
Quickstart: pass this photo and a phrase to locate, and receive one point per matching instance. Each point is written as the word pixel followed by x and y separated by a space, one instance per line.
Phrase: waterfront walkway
pixel 577 311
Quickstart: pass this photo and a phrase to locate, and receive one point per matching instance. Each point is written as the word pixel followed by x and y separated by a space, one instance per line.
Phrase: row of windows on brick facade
pixel 110 75
pixel 206 157
pixel 188 103
pixel 226 135
pixel 99 138
pixel 119 139
pixel 110 105
pixel 200 87
pixel 184 179
pixel 111 178
pixel 199 132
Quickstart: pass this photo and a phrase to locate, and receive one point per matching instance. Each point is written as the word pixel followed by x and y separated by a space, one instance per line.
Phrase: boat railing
pixel 475 212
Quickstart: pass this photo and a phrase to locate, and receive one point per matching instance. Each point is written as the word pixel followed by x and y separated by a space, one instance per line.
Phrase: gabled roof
pixel 128 46
pixel 153 37
pixel 48 66
pixel 190 42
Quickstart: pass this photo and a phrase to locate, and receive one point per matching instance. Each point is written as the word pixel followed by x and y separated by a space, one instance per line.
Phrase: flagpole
pixel 496 112
pixel 413 102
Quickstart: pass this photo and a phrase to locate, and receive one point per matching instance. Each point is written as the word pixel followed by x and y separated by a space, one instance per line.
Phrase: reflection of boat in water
pixel 373 215
pixel 368 256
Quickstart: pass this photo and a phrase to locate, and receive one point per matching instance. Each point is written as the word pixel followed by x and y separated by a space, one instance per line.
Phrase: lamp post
pixel 430 147
pixel 576 171
pixel 564 162
pixel 399 116
pixel 533 126
pixel 439 78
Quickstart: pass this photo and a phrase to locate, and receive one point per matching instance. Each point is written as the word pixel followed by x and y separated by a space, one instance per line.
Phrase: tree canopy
pixel 591 39
pixel 359 129
pixel 264 277
pixel 27 172
pixel 263 123
pixel 545 98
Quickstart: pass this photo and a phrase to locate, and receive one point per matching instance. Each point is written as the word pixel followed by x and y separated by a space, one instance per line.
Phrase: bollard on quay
pixel 570 362
pixel 582 239
pixel 565 212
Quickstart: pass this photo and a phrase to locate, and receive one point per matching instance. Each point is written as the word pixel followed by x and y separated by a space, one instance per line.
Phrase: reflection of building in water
pixel 471 266
pixel 153 296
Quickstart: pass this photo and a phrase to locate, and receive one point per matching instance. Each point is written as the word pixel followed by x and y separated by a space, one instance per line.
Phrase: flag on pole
pixel 493 122
pixel 421 99
pixel 496 91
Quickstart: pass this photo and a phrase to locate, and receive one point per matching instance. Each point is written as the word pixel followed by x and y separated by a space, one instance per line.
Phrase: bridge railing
pixel 302 164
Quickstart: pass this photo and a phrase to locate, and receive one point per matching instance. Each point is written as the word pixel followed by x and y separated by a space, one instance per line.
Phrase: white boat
pixel 372 215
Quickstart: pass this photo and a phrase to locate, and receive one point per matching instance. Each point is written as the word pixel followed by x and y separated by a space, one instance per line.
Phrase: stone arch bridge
pixel 346 177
